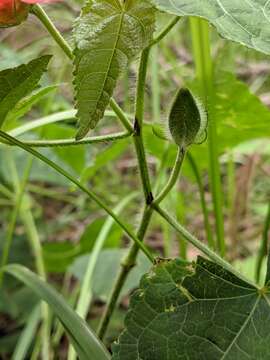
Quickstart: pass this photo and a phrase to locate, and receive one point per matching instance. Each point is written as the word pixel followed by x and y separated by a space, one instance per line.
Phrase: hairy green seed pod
pixel 186 119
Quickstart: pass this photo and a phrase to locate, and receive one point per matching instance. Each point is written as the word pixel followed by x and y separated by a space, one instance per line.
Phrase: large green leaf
pixel 108 34
pixel 16 83
pixel 244 21
pixel 83 339
pixel 197 312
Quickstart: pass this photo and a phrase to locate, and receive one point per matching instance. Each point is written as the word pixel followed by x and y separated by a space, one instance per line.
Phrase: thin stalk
pixel 263 251
pixel 73 142
pixel 198 244
pixel 181 217
pixel 121 116
pixel 207 226
pixel 76 182
pixel 165 31
pixel 173 177
pixel 204 70
pixel 38 11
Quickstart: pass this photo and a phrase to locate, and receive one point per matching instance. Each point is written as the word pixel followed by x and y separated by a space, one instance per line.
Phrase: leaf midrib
pixel 122 14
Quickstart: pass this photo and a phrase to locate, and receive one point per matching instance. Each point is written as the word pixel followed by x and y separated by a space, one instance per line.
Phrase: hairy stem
pixel 73 142
pixel 38 11
pixel 173 177
pixel 76 182
pixel 165 31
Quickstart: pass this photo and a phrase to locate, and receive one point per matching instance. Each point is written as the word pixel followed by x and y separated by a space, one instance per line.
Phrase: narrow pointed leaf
pixel 17 83
pixel 83 339
pixel 243 21
pixel 199 312
pixel 108 34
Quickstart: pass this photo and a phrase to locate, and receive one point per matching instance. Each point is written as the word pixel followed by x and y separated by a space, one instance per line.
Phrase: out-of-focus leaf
pixel 106 271
pixel 27 103
pixel 243 21
pixel 74 156
pixel 16 83
pixel 83 339
pixel 112 152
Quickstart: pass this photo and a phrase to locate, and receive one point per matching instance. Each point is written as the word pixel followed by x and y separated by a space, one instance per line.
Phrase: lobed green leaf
pixel 108 35
pixel 199 313
pixel 243 21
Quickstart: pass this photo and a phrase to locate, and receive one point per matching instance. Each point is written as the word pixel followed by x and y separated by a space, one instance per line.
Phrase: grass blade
pixel 83 339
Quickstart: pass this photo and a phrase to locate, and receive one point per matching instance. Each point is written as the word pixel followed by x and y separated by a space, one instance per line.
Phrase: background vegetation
pixel 38 206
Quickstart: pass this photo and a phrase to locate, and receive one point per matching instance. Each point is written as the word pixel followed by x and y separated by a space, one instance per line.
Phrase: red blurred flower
pixel 13 12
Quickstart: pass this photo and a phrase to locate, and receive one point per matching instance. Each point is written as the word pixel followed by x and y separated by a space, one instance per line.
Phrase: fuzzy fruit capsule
pixel 184 119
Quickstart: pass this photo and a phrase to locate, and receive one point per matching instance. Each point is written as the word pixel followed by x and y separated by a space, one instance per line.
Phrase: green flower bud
pixel 187 120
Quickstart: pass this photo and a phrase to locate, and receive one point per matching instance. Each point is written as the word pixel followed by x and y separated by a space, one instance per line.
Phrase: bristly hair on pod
pixel 202 133
pixel 187 119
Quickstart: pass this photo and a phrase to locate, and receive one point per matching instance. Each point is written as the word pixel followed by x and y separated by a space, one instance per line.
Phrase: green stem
pixel 173 177
pixel 130 260
pixel 73 142
pixel 198 244
pixel 207 226
pixel 165 31
pixel 38 11
pixel 264 245
pixel 204 69
pixel 138 128
pixel 121 116
pixel 76 182
pixel 127 265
